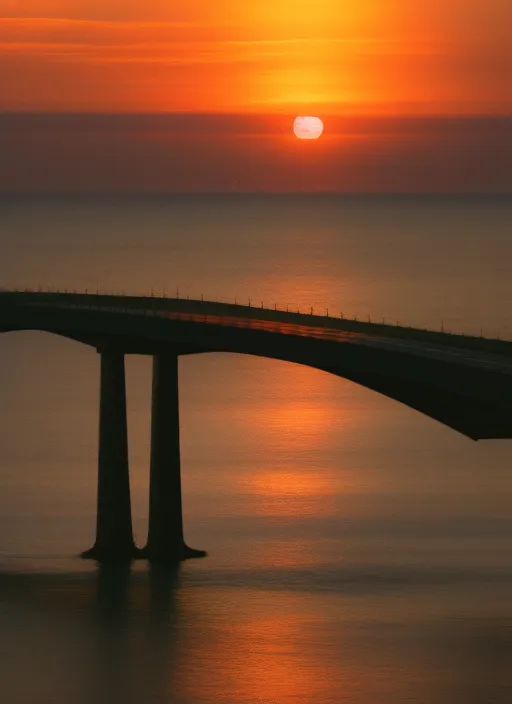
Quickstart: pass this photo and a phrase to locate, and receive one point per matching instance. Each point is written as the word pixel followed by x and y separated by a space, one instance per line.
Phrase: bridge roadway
pixel 445 353
pixel 464 383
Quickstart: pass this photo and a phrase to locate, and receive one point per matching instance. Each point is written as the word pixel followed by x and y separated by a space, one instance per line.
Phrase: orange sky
pixel 268 56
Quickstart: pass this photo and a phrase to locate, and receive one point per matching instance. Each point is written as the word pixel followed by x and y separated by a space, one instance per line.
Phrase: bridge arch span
pixel 473 401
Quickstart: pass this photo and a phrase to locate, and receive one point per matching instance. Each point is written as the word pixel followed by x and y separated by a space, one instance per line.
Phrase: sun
pixel 307 127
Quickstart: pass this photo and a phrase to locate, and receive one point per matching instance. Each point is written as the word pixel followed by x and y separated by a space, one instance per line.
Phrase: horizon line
pixel 202 193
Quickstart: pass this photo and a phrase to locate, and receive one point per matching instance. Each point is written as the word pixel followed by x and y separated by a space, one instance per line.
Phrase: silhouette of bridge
pixel 462 382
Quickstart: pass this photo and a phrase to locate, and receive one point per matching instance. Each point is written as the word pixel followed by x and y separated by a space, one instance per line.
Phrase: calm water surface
pixel 358 551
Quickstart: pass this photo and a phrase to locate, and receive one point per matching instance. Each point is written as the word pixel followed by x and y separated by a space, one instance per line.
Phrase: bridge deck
pixel 490 360
pixel 153 305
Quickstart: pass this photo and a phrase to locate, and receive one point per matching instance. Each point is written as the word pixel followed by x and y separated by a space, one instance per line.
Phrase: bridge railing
pixel 251 307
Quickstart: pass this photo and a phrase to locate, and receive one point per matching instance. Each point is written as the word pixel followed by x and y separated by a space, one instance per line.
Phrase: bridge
pixel 463 382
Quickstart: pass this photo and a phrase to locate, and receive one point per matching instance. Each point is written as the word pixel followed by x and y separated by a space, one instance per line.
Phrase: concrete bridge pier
pixel 165 537
pixel 114 536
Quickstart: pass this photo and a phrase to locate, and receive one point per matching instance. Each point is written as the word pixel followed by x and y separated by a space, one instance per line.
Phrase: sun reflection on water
pixel 285 492
pixel 265 657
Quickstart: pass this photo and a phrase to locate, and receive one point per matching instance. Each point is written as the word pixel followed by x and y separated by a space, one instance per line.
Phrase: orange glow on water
pixel 285 492
pixel 284 483
pixel 279 665
pixel 306 419
pixel 266 658
pixel 295 418
pixel 286 553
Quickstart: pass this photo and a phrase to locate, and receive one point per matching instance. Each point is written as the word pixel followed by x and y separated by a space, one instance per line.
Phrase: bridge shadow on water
pixel 110 636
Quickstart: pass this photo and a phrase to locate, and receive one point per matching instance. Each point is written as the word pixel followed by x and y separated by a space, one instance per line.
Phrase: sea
pixel 358 551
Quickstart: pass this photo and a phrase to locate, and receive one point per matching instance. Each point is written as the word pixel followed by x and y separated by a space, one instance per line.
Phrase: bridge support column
pixel 114 537
pixel 165 538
